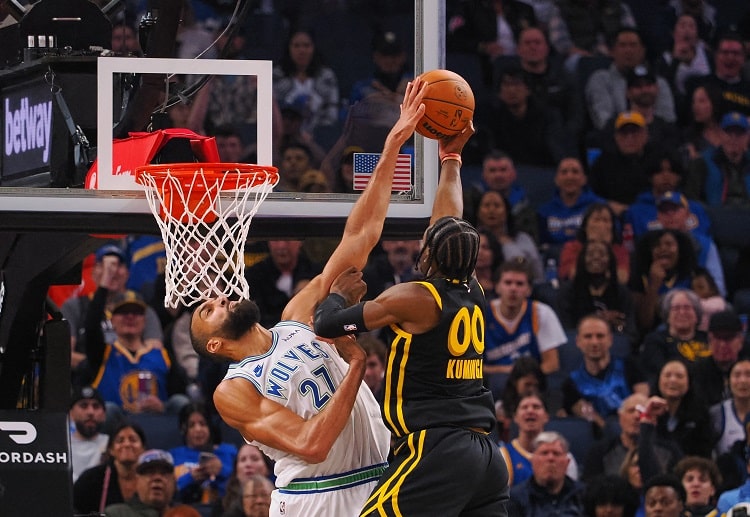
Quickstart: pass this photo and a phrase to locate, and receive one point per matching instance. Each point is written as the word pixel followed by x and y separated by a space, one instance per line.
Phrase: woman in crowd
pixel 681 310
pixel 705 287
pixel 489 257
pixel 701 479
pixel 525 378
pixel 663 260
pixel 114 481
pixel 202 465
pixel 630 471
pixel 703 131
pixel 250 462
pixel 255 500
pixel 595 289
pixel 610 496
pixel 728 416
pixel 494 214
pixel 599 224
pixel 303 81
pixel 686 421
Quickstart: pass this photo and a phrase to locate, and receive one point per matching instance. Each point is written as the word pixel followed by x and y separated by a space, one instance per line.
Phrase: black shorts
pixel 444 471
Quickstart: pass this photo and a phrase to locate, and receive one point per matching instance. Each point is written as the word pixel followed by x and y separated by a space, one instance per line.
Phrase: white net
pixel 204 218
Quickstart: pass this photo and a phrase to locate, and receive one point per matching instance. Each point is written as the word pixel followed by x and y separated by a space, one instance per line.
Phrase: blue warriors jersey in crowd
pixel 506 345
pixel 432 381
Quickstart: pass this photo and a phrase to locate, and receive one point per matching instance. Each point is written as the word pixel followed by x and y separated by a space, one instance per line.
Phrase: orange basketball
pixel 449 104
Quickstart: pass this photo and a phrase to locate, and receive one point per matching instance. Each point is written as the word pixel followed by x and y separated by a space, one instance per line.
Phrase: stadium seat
pixel 162 430
pixel 577 431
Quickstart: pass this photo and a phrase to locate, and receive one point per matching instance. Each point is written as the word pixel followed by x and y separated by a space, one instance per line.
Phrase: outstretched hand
pixel 412 110
pixel 455 143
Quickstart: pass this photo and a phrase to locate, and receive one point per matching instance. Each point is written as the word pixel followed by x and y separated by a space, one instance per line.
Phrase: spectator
pixel 489 258
pixel 630 472
pixel 394 267
pixel 585 28
pixel 688 57
pixel 132 375
pixel 390 75
pixel 344 179
pixel 560 218
pixel 729 60
pixel 494 214
pixel 230 145
pixel 705 287
pixel 721 176
pixel 499 173
pixel 292 132
pixel 606 89
pixel 296 159
pixel 125 40
pixel 665 173
pixel 552 87
pixel 274 280
pixel 88 445
pixel 114 481
pixel 375 366
pixel 250 462
pixel 686 421
pixel 530 416
pixel 733 463
pixel 637 433
pixel 610 494
pixel 526 378
pixel 673 213
pixel 664 496
pixel 679 339
pixel 725 339
pixel 596 389
pixel 155 486
pixel 518 326
pixel 487 28
pixel 256 498
pixel 531 134
pixel 664 260
pixel 701 479
pixel 302 78
pixel 549 490
pixel 619 174
pixel 596 290
pixel 702 131
pixel 76 310
pixel 202 465
pixel 728 416
pixel 599 224
pixel 313 181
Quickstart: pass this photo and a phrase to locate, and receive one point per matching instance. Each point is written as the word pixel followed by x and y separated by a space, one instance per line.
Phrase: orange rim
pixel 185 172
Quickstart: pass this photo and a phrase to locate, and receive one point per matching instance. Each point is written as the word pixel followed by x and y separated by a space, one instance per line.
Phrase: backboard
pixel 119 204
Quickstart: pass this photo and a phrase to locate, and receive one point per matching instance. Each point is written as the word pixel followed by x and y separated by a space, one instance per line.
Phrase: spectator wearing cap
pixel 728 417
pixel 131 374
pixel 87 444
pixel 619 174
pixel 729 60
pixel 292 132
pixel 518 124
pixel 606 89
pixel 155 487
pixel 665 173
pixel 730 498
pixel 390 76
pixel 721 176
pixel 725 339
pixel 111 288
pixel 673 213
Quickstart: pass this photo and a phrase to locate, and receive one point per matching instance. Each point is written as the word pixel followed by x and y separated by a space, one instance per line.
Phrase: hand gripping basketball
pixel 449 104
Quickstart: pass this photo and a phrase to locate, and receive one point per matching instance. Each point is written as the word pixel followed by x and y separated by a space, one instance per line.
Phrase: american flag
pixel 364 164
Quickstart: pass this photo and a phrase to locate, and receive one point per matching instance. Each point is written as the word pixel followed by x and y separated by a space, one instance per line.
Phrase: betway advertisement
pixel 27 128
pixel 35 468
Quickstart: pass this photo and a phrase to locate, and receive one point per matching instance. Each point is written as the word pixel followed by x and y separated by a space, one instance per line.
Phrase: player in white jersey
pixel 333 445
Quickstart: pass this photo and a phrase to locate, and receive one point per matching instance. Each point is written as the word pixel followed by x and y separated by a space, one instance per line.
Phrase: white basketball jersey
pixel 302 373
pixel 727 426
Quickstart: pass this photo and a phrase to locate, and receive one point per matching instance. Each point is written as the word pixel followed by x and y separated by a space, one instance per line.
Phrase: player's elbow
pixel 315 452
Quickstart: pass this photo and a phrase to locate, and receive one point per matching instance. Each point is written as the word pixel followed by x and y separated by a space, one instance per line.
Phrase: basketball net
pixel 204 211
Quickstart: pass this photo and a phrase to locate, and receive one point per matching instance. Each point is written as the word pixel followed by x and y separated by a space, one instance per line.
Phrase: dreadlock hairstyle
pixel 453 244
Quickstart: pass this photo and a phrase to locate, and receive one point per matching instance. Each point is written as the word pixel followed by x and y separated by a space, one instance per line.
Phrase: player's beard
pixel 240 319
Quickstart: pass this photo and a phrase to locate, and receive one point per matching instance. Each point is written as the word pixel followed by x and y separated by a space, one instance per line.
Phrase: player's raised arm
pixel 364 225
pixel 449 196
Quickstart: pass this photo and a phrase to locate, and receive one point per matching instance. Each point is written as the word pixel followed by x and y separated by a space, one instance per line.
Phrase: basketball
pixel 449 104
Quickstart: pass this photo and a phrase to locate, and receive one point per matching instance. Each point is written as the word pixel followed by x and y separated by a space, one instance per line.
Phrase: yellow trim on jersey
pixel 434 292
pixel 389 488
pixel 100 373
pixel 508 463
pixel 145 251
pixel 520 450
pixel 400 429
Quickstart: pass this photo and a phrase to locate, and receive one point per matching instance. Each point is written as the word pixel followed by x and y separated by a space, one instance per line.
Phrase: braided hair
pixel 453 245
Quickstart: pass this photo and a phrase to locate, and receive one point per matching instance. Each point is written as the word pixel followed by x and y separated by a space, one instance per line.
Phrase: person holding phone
pixel 202 465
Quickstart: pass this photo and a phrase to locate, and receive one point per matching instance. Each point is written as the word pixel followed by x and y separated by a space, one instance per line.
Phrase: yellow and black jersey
pixel 435 379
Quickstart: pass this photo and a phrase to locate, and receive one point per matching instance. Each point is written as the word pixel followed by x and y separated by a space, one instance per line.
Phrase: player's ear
pixel 213 345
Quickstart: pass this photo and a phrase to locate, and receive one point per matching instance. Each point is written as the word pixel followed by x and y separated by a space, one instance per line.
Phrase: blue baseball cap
pixel 735 119
pixel 111 249
pixel 672 197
